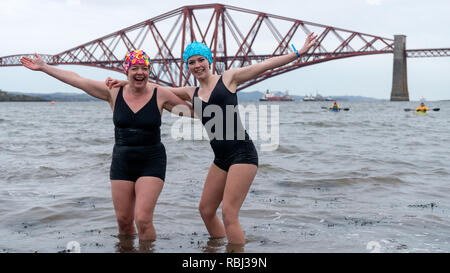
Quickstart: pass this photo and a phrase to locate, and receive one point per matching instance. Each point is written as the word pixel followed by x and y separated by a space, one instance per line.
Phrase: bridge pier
pixel 399 78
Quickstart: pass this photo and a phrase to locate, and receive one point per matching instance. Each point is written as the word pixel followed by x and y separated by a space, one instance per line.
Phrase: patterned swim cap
pixel 136 57
pixel 197 48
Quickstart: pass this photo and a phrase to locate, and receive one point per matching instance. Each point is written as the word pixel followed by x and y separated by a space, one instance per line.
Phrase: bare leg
pixel 147 193
pixel 126 243
pixel 239 180
pixel 123 197
pixel 211 198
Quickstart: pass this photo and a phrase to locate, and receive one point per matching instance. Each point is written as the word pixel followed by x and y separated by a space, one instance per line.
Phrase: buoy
pixel 53 102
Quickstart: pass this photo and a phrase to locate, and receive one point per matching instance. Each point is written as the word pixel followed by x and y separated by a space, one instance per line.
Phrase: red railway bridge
pixel 237 37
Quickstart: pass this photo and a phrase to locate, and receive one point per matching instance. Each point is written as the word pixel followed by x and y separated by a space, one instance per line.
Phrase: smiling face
pixel 138 75
pixel 199 66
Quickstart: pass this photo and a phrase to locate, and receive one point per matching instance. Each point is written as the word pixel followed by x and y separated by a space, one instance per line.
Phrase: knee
pixel 125 222
pixel 230 215
pixel 207 212
pixel 146 230
pixel 144 222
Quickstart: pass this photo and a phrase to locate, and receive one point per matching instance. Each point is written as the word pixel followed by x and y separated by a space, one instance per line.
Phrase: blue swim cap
pixel 197 48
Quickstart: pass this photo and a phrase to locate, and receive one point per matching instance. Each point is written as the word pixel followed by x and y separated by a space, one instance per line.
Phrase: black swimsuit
pixel 231 145
pixel 138 150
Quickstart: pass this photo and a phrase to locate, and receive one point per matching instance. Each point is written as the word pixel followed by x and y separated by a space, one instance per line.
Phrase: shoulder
pixel 228 74
pixel 189 90
pixel 184 92
pixel 164 93
pixel 161 90
pixel 228 79
pixel 156 88
pixel 113 92
pixel 113 96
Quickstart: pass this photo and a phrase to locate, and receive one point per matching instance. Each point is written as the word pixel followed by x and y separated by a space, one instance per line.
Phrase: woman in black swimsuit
pixel 138 164
pixel 236 160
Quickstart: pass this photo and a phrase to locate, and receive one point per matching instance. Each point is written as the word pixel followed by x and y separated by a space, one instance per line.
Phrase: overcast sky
pixel 52 26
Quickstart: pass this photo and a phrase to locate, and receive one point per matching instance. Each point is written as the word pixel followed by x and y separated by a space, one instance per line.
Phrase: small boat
pixel 269 96
pixel 317 97
pixel 308 98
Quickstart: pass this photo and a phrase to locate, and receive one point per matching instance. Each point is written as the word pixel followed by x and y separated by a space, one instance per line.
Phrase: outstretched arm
pixel 184 93
pixel 94 88
pixel 174 104
pixel 238 76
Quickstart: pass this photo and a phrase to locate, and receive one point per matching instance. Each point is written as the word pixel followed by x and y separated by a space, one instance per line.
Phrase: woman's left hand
pixel 309 42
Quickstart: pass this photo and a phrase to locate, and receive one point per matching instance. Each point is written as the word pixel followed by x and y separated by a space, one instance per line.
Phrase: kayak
pixel 421 113
pixel 413 110
pixel 335 110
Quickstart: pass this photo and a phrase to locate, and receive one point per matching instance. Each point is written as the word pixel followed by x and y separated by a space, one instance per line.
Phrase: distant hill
pixel 5 96
pixel 62 96
pixel 249 96
pixel 244 96
pixel 356 98
pixel 256 95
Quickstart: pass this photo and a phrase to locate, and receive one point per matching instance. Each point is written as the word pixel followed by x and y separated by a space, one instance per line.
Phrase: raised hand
pixel 108 82
pixel 36 64
pixel 309 42
pixel 113 83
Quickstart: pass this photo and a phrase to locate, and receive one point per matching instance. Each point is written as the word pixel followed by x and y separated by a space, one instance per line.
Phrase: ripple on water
pixel 441 171
pixel 319 124
pixel 45 172
pixel 385 180
pixel 334 175
pixel 268 168
pixel 289 149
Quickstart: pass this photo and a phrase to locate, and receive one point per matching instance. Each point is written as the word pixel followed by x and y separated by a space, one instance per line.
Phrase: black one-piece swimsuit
pixel 138 151
pixel 230 145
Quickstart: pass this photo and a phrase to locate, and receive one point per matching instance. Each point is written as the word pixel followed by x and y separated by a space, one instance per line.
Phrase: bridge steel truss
pixel 237 37
pixel 426 53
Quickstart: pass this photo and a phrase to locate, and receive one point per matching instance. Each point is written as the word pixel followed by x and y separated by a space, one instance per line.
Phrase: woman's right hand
pixel 36 64
pixel 113 83
pixel 96 89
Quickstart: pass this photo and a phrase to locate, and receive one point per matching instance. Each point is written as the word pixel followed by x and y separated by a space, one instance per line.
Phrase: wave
pixel 319 124
pixel 45 172
pixel 289 149
pixel 269 168
pixel 91 140
pixel 442 171
pixel 339 182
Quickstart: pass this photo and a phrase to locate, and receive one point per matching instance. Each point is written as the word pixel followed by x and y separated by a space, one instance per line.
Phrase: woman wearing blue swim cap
pixel 236 161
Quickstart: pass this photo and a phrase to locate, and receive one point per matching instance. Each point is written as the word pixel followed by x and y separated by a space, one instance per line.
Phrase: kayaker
pixel 422 108
pixel 335 107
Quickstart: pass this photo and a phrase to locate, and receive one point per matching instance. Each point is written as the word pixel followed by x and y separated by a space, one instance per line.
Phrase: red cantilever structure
pixel 256 37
